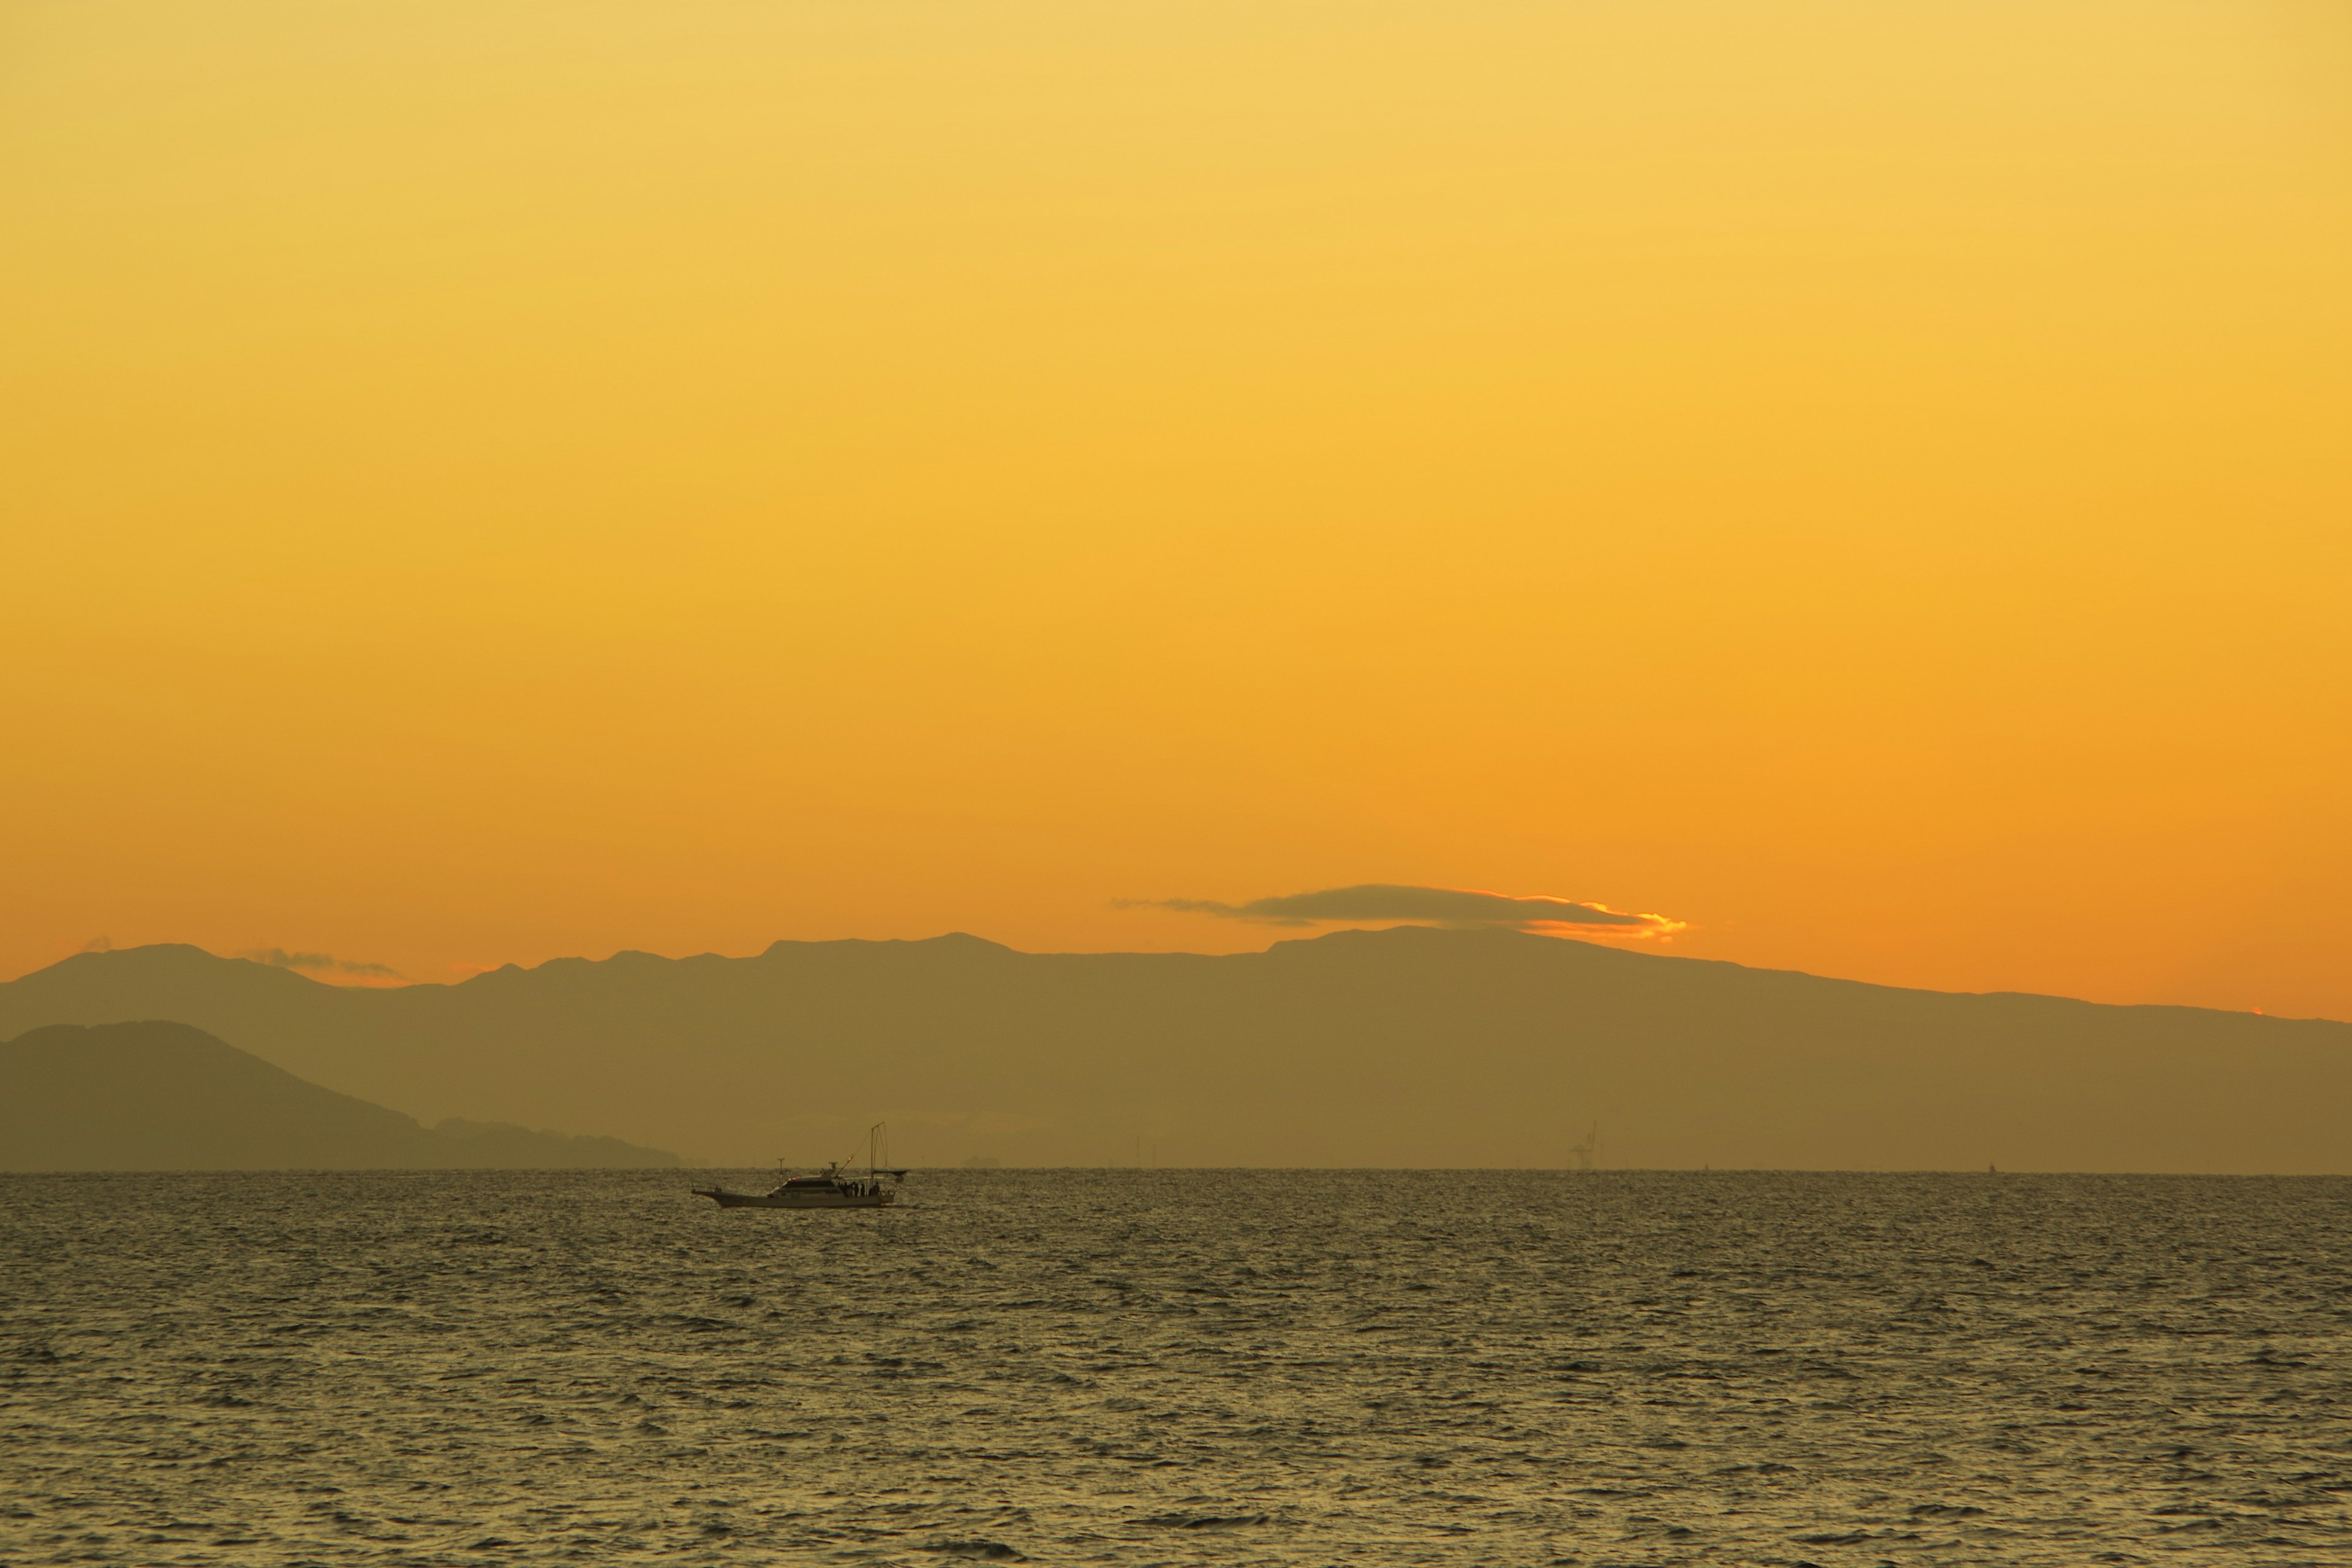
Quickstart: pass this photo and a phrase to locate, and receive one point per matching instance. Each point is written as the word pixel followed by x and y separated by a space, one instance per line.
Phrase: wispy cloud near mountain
pixel 278 958
pixel 1441 906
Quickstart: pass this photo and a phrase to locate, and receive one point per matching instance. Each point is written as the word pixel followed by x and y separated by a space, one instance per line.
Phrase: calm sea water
pixel 1177 1367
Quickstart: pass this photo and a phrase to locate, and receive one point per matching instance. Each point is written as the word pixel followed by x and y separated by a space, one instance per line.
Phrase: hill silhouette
pixel 168 1097
pixel 1408 1047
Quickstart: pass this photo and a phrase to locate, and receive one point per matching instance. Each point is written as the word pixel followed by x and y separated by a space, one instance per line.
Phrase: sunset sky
pixel 1870 484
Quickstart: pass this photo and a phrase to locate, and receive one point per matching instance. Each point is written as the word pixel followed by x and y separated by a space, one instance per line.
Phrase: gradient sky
pixel 486 480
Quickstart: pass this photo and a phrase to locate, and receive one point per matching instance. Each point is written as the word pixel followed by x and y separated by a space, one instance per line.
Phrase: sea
pixel 1148 1367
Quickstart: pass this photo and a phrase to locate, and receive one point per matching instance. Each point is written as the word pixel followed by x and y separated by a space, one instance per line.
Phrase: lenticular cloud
pixel 1467 907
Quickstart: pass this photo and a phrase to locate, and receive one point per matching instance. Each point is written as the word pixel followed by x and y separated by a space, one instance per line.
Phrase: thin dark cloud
pixel 326 962
pixel 1466 907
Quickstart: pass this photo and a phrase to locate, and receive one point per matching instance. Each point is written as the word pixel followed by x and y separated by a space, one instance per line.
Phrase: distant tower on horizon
pixel 1587 1149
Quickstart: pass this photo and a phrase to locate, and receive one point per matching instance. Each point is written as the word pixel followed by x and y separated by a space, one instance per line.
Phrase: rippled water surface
pixel 1175 1367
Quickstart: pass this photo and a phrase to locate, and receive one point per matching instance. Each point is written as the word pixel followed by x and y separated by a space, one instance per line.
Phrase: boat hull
pixel 817 1200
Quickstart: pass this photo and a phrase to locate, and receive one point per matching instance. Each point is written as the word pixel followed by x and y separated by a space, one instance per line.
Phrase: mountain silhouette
pixel 1408 1047
pixel 168 1097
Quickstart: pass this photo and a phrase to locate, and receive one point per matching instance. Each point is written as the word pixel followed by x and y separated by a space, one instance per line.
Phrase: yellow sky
pixel 486 480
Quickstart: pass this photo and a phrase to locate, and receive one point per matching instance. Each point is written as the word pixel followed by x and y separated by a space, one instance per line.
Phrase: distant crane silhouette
pixel 1587 1149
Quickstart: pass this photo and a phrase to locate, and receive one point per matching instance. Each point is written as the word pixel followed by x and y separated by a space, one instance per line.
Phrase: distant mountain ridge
pixel 1407 1047
pixel 168 1097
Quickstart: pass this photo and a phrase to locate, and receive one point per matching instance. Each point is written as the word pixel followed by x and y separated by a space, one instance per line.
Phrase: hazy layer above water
pixel 1401 1048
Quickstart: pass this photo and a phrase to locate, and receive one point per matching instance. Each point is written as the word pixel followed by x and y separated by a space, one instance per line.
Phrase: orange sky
pixel 488 480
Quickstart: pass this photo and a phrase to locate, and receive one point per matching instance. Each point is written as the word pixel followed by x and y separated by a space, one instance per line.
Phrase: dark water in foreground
pixel 1172 1367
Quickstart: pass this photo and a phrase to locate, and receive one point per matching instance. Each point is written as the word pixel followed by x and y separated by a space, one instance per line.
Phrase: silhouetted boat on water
pixel 838 1186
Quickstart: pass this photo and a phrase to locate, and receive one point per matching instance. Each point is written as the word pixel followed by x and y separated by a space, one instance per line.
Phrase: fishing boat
pixel 840 1186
